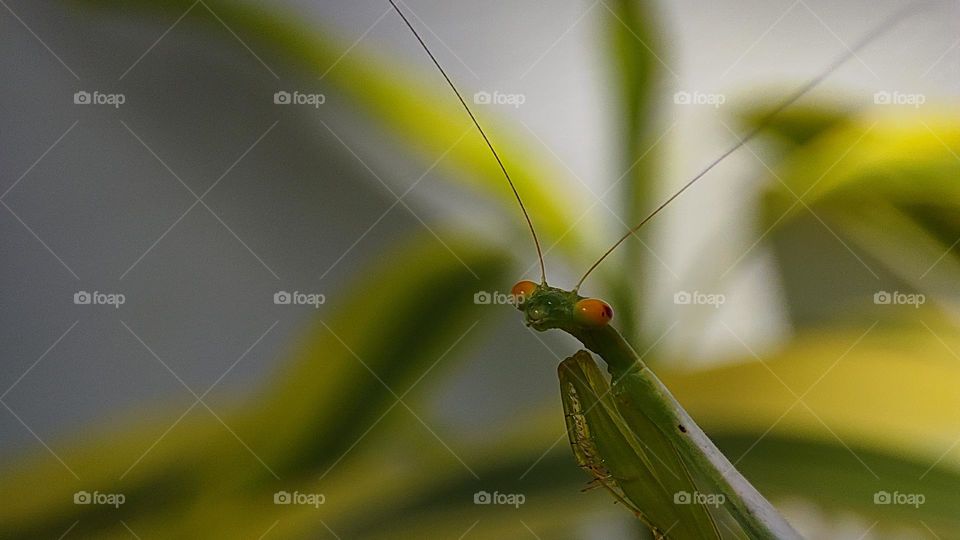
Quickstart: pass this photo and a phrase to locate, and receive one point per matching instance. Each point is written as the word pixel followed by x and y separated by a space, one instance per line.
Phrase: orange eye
pixel 522 290
pixel 592 312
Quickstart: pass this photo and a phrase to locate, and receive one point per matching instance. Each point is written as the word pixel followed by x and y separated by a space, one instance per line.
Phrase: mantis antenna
pixel 526 215
pixel 881 29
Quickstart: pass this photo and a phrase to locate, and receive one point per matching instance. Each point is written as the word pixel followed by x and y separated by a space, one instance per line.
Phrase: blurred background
pixel 250 247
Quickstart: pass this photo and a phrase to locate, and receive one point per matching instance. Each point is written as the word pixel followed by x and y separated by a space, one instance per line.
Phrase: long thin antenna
pixel 881 29
pixel 526 215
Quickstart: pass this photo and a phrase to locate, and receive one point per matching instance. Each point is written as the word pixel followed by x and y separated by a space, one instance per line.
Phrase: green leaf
pixel 869 204
pixel 798 124
pixel 906 159
pixel 395 321
pixel 631 30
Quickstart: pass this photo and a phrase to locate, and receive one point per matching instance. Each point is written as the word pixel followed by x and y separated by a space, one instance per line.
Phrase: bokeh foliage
pixel 870 392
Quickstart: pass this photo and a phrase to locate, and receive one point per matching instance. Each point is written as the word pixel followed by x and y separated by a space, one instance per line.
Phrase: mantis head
pixel 545 307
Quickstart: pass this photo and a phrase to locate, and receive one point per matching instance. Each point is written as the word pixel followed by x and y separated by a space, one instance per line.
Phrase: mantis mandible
pixel 631 434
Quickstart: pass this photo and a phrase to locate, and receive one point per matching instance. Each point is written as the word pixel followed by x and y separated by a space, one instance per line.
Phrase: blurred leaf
pixel 828 477
pixel 631 27
pixel 907 159
pixel 798 124
pixel 871 197
pixel 398 320
pixel 396 323
pixel 419 111
pixel 404 480
pixel 884 401
pixel 399 481
pixel 909 247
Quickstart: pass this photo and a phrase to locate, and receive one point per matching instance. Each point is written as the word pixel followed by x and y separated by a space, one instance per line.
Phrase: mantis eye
pixel 522 290
pixel 592 312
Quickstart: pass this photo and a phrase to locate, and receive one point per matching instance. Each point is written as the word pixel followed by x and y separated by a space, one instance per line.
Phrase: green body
pixel 637 440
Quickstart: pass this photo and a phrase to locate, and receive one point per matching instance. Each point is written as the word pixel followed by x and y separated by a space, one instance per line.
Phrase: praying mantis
pixel 630 434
